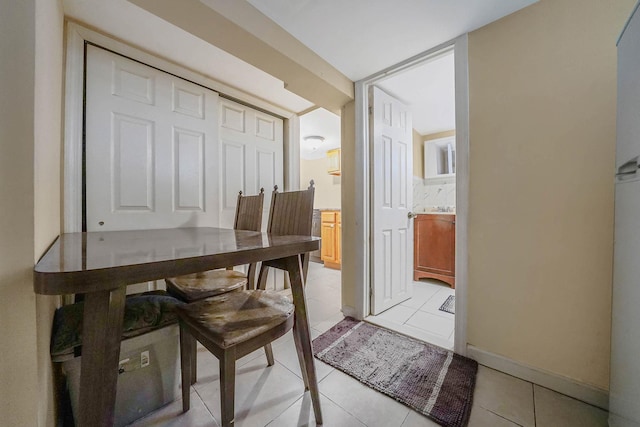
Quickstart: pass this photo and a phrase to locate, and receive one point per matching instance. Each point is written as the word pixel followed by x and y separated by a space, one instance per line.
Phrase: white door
pixel 391 201
pixel 151 147
pixel 251 157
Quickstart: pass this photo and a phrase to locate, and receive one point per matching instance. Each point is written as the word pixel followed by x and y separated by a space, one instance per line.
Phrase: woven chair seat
pixel 197 286
pixel 230 319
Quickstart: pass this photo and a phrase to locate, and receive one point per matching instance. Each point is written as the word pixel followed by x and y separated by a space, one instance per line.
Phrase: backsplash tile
pixel 428 196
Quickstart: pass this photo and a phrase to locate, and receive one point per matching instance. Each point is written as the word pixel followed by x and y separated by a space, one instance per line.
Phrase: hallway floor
pixel 274 396
pixel 419 317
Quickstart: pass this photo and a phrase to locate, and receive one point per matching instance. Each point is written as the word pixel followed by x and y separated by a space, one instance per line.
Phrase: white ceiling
pixel 362 37
pixel 429 90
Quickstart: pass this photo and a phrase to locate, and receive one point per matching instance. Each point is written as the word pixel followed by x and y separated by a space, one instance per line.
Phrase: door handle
pixel 628 168
pixel 411 215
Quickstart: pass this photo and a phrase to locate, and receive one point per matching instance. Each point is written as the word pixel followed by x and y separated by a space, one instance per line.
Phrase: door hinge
pixel 370 110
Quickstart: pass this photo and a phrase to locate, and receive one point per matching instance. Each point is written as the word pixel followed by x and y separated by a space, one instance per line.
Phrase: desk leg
pixel 101 335
pixel 303 330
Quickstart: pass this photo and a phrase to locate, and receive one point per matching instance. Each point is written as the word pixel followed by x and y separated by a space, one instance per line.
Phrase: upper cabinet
pixel 333 157
pixel 440 157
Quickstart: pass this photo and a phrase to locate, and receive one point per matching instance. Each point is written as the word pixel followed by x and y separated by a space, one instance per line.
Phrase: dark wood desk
pixel 102 264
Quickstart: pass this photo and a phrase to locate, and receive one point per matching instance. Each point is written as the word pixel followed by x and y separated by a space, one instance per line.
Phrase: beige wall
pixel 353 245
pixel 328 187
pixel 542 139
pixel 47 179
pixel 18 357
pixel 418 148
pixel 31 68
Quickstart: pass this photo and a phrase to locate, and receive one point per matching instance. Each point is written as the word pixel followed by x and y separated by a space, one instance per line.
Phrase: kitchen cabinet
pixel 434 254
pixel 331 233
pixel 333 157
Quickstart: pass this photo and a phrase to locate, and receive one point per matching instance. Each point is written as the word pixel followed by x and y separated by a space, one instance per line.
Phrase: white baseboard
pixel 349 312
pixel 567 386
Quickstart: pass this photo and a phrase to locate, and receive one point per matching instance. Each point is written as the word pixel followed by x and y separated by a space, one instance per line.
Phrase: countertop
pixel 435 213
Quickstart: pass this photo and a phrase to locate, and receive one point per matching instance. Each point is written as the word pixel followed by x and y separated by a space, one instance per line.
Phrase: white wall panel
pixel 189 185
pixel 133 82
pixel 387 257
pixel 387 114
pixel 233 118
pixel 265 128
pixel 387 169
pixel 233 173
pixel 188 102
pixel 132 163
pixel 267 171
pixel 401 185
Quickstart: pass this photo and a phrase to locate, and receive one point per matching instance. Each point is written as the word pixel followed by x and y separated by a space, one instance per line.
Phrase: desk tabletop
pixel 96 261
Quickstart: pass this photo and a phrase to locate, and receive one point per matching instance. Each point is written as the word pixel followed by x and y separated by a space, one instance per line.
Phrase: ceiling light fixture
pixel 314 141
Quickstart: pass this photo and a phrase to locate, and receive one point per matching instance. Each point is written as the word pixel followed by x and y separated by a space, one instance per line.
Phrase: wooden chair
pixel 237 323
pixel 197 286
pixel 231 326
pixel 283 223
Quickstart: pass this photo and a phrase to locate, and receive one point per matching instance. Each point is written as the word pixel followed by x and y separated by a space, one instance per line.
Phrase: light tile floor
pixel 274 396
pixel 419 317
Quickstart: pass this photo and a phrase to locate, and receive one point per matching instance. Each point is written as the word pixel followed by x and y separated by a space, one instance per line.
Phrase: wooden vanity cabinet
pixel 434 253
pixel 331 232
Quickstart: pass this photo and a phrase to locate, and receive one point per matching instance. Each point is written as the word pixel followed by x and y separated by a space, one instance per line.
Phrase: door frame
pixel 362 176
pixel 77 37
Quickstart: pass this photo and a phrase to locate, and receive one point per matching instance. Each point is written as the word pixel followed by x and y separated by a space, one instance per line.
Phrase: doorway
pixel 364 204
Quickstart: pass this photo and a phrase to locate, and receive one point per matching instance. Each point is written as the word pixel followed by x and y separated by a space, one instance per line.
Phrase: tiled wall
pixel 431 195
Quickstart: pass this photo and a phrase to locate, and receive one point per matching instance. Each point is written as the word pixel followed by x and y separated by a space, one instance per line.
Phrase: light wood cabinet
pixel 331 232
pixel 434 254
pixel 333 158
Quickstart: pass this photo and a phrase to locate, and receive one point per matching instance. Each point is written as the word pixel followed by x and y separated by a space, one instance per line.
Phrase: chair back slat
pixel 291 212
pixel 249 212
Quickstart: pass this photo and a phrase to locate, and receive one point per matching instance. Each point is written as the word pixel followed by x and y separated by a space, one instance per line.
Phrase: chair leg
pixel 268 351
pixel 303 367
pixel 262 284
pixel 194 360
pixel 262 277
pixel 305 266
pixel 227 386
pixel 185 365
pixel 251 277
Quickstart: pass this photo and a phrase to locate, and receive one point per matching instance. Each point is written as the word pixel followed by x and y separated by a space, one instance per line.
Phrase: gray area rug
pixel 429 379
pixel 449 305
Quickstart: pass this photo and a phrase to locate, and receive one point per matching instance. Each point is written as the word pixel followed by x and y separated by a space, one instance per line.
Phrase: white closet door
pixel 251 157
pixel 151 147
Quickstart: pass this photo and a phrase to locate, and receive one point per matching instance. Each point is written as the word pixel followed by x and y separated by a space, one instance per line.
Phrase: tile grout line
pixel 533 395
pixel 500 416
pixel 340 406
pixel 205 405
